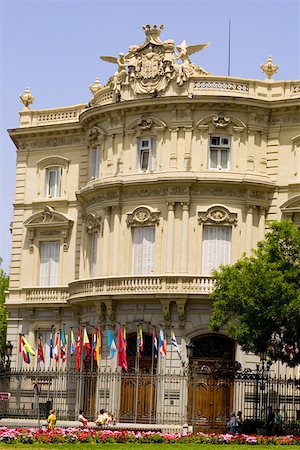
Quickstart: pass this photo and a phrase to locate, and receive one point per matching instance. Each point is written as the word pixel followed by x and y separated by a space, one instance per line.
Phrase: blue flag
pixel 111 344
pixel 51 343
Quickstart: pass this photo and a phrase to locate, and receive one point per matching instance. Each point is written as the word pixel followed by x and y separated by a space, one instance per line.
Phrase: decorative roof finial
pixel 27 98
pixel 94 88
pixel 269 69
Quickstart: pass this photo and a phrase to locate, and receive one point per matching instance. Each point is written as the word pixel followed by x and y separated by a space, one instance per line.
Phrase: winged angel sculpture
pixel 120 75
pixel 186 68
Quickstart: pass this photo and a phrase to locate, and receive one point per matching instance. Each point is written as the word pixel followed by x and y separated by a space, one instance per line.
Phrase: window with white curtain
pixel 216 248
pixel 143 250
pixel 219 152
pixel 53 182
pixel 93 253
pixel 49 263
pixel 146 154
pixel 94 162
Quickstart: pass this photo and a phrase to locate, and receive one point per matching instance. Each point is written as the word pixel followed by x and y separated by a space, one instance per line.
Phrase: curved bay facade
pixel 123 207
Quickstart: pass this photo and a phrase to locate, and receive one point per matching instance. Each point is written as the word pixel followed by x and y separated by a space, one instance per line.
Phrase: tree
pixel 257 299
pixel 3 287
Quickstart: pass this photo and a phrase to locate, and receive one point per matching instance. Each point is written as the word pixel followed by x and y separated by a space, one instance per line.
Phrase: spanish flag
pixel 97 355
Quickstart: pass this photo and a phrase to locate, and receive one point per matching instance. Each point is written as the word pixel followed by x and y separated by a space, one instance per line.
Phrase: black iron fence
pixel 200 396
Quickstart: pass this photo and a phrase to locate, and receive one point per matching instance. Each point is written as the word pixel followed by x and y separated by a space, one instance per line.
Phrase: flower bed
pixel 75 435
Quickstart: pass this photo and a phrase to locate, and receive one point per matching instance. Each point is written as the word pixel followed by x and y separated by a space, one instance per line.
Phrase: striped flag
pixel 56 347
pixel 98 347
pixel 162 344
pixel 63 345
pixel 155 347
pixel 25 355
pixel 27 346
pixel 72 342
pixel 111 344
pixel 125 338
pixel 86 344
pixel 41 350
pixel 175 345
pixel 140 341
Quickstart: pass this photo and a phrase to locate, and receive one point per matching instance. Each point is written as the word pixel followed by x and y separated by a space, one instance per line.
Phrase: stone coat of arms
pixel 148 68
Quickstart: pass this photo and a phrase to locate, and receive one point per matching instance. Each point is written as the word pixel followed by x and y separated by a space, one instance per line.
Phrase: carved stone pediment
pixel 145 124
pixel 291 209
pixel 220 121
pixel 143 216
pixel 48 223
pixel 217 215
pixel 95 136
pixel 93 224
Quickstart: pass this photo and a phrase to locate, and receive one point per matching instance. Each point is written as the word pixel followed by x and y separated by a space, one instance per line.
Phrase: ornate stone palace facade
pixel 124 206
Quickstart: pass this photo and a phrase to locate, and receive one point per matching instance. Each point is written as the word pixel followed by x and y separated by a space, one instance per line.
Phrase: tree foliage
pixel 3 317
pixel 257 299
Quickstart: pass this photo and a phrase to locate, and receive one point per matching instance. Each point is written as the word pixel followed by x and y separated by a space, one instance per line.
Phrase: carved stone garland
pixel 217 215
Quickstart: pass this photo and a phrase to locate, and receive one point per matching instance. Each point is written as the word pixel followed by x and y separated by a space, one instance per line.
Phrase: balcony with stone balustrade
pixel 195 88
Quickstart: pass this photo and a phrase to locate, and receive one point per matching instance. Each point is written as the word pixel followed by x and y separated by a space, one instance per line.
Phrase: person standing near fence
pixel 278 422
pixel 51 419
pixel 270 421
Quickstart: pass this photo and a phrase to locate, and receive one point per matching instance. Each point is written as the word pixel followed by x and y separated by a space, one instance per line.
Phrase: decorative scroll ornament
pixel 27 98
pixel 145 123
pixel 221 121
pixel 217 215
pixel 269 69
pixel 148 68
pixel 93 224
pixel 143 216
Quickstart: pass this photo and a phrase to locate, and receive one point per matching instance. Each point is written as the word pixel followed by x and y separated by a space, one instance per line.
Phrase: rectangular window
pixel 219 152
pixel 143 250
pixel 93 254
pixel 53 182
pixel 94 162
pixel 49 263
pixel 146 155
pixel 216 248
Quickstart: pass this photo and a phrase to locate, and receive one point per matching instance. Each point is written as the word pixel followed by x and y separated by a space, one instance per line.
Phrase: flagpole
pixel 137 376
pixel 152 368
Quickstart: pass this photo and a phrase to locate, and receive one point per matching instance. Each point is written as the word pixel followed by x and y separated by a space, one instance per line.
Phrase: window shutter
pixel 216 248
pixel 137 238
pixel 95 157
pixel 152 162
pixel 143 250
pixel 93 257
pixel 148 250
pixel 44 263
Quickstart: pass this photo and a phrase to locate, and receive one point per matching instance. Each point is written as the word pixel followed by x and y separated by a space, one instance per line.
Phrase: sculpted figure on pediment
pixel 149 68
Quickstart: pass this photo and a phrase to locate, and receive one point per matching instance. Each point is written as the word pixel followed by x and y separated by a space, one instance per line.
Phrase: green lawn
pixel 136 446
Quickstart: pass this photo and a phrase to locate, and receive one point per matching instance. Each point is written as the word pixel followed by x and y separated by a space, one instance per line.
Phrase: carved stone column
pixel 184 238
pixel 249 226
pixel 106 239
pixel 261 223
pixel 116 240
pixel 170 238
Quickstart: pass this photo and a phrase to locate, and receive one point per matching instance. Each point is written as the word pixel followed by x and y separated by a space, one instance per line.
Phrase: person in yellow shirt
pixel 51 419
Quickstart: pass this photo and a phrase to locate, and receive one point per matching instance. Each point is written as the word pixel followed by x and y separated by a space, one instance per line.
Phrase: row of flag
pixel 93 346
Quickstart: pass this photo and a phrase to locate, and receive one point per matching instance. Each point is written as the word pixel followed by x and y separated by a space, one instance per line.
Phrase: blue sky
pixel 54 46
